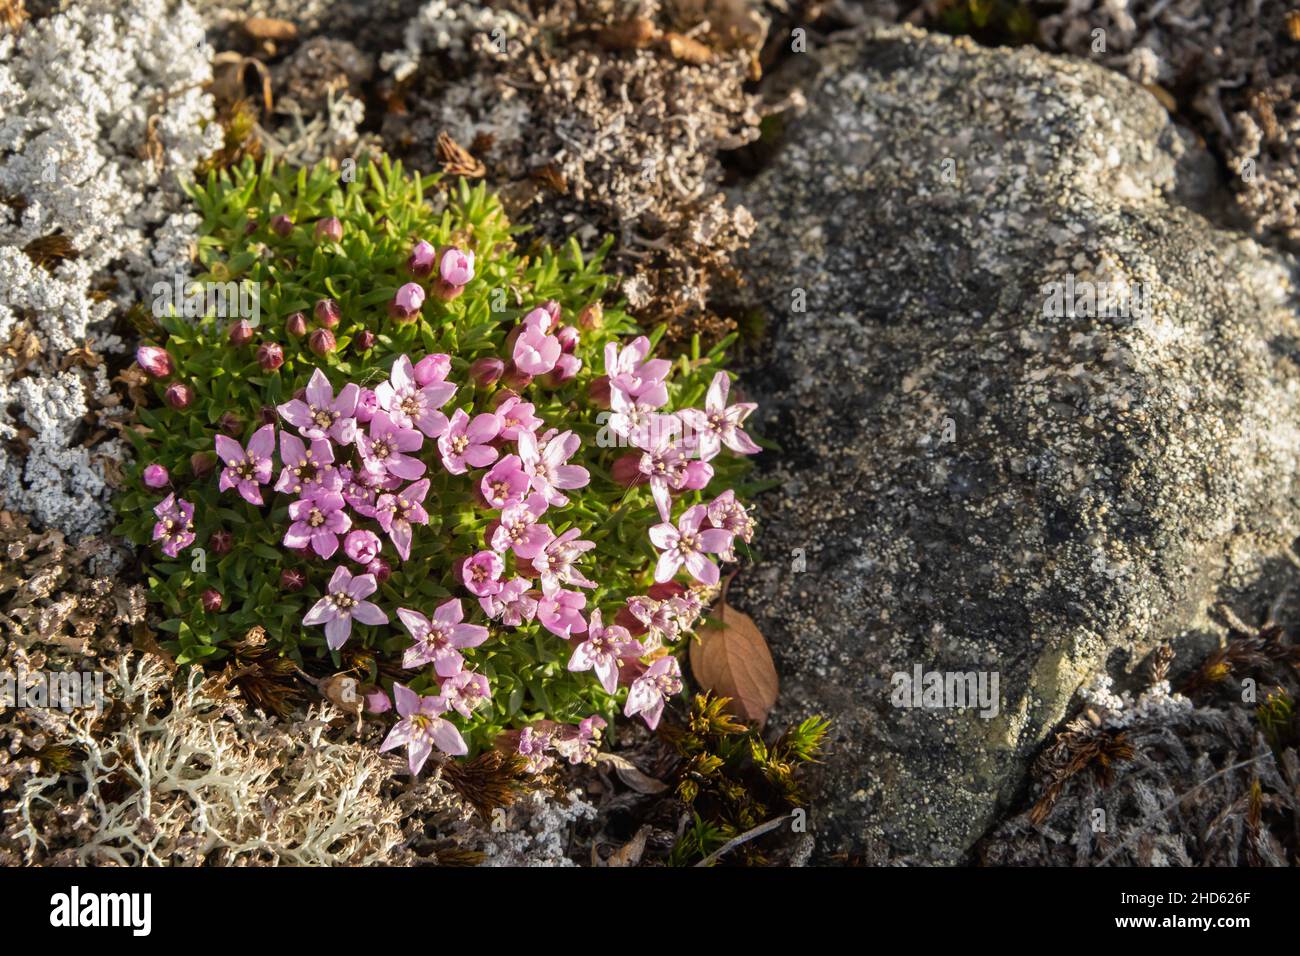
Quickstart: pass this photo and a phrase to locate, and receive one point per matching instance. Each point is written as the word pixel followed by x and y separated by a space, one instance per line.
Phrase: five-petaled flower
pixel 396 513
pixel 438 640
pixel 245 471
pixel 318 520
pixel 175 525
pixel 411 405
pixel 547 469
pixel 719 424
pixel 661 680
pixel 464 444
pixel 603 651
pixel 344 600
pixel 688 543
pixel 322 415
pixel 385 445
pixel 422 727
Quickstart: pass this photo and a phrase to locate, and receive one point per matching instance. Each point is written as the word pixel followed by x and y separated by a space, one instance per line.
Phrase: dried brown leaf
pixel 631 774
pixel 733 660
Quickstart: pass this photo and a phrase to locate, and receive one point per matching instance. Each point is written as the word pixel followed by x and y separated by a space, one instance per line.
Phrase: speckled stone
pixel 1106 477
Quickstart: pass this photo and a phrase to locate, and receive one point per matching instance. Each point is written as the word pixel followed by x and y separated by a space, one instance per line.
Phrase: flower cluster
pixel 528 540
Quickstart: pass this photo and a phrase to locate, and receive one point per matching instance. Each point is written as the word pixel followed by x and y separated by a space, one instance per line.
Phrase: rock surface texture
pixel 976 483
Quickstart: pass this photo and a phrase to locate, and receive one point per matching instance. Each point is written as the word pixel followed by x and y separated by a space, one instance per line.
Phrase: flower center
pixel 459 444
pixel 323 417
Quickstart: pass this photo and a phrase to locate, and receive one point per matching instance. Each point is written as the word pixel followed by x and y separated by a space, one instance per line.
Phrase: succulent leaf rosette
pixel 434 459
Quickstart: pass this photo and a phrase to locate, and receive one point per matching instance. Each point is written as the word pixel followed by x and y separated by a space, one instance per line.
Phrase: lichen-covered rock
pixel 971 479
pixel 101 108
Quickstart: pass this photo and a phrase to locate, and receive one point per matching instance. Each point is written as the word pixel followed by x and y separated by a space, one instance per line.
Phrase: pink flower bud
pixel 627 471
pixel 367 405
pixel 291 579
pixel 568 336
pixel 421 261
pixel 241 333
pixel 321 342
pixel 406 303
pixel 432 368
pixel 364 341
pixel 698 475
pixel 552 309
pixel 377 702
pixel 329 230
pixel 230 424
pixel 566 368
pixel 501 395
pixel 361 546
pixel 155 476
pixel 154 361
pixel 220 542
pixel 296 324
pixel 212 600
pixel 456 267
pixel 179 395
pixel 327 313
pixel 487 370
pixel 270 356
pixel 268 415
pixel 281 226
pixel 380 569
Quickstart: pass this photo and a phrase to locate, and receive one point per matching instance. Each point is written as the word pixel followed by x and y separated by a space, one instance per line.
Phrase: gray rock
pixel 1107 477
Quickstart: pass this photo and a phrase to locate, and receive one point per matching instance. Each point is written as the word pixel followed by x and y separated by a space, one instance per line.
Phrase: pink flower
pixel 422 728
pixel 519 530
pixel 362 546
pixel 698 474
pixel 465 691
pixel 727 513
pixel 632 419
pixel 307 470
pixel 482 573
pixel 602 651
pixel 457 267
pixel 420 262
pixel 718 424
pixel 407 302
pixel 687 544
pixel 411 406
pixel 440 639
pixel 385 444
pixel 516 416
pixel 555 562
pixel 432 368
pixel 512 604
pixel 156 476
pixel 546 467
pixel 367 405
pixel 579 743
pixel 505 484
pixel 464 444
pixel 322 415
pixel 318 520
pixel 245 472
pixel 155 361
pixel 648 693
pixel 661 624
pixel 175 525
pixel 535 352
pixel 665 467
pixel 561 613
pixel 343 601
pixel 630 370
pixel 377 702
pixel 396 513
pixel 533 744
